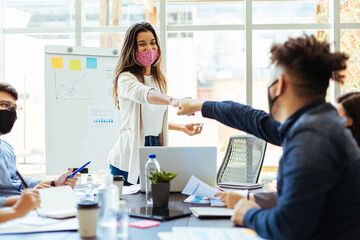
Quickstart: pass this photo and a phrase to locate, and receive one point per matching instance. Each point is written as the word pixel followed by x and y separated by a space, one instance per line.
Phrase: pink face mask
pixel 148 57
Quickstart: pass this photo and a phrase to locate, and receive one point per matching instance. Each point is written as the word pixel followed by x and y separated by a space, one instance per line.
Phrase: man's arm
pixel 235 115
pixel 244 118
pixel 266 200
pixel 309 173
pixel 31 182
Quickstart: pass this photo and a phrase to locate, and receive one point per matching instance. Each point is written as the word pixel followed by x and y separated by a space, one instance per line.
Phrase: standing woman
pixel 140 94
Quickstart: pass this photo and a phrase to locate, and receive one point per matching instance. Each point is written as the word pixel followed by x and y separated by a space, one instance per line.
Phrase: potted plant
pixel 160 187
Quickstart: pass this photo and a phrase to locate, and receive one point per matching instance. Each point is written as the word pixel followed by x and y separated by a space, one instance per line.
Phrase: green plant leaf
pixel 161 177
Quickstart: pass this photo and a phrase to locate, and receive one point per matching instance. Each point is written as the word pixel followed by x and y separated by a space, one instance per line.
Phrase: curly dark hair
pixel 310 63
pixel 351 102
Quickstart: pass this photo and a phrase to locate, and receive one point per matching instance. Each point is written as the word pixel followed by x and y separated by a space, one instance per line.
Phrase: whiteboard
pixel 81 122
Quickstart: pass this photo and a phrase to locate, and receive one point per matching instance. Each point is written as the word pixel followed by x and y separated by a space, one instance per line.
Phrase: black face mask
pixel 272 101
pixel 7 120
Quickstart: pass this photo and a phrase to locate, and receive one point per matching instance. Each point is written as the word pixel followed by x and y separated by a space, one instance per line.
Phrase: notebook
pixel 212 212
pixel 57 202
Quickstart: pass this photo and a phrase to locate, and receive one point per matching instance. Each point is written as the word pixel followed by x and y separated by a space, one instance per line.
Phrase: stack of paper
pixel 189 233
pixel 33 223
pixel 127 190
pixel 199 188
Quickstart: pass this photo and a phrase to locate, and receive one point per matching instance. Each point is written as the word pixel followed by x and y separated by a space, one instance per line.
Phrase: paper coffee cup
pixel 87 214
pixel 119 182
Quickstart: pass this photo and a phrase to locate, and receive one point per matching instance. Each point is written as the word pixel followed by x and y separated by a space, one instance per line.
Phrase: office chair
pixel 243 160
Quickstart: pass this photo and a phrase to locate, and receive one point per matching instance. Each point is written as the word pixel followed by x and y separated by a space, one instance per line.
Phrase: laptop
pixel 185 161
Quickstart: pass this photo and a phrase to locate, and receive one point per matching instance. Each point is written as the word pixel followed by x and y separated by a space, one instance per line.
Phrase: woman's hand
pixel 192 129
pixel 174 102
pixel 29 200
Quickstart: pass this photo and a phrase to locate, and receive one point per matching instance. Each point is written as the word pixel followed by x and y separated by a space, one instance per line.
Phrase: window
pixel 39 13
pixel 204 46
pixel 350 44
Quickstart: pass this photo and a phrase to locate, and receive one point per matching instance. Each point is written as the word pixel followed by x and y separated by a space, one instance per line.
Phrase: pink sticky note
pixel 144 224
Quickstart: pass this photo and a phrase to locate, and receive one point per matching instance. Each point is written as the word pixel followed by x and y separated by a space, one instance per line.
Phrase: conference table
pixel 176 201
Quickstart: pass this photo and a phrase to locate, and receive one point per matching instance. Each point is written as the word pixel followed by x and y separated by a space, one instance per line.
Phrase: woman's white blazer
pixel 125 154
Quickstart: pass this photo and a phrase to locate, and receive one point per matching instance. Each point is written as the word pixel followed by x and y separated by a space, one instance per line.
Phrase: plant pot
pixel 160 194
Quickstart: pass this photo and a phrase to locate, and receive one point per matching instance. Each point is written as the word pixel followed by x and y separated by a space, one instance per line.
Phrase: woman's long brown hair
pixel 127 60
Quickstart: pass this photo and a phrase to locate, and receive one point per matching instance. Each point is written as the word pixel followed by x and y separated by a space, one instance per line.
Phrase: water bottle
pixel 108 196
pixel 89 188
pixel 151 166
pixel 123 221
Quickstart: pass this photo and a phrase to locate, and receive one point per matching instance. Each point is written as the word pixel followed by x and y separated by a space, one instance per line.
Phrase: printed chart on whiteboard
pixel 70 77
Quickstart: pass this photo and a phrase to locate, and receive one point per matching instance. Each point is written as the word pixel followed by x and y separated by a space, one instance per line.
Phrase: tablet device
pixel 160 214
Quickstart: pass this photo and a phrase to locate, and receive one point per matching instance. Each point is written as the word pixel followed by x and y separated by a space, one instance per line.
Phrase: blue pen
pixel 79 169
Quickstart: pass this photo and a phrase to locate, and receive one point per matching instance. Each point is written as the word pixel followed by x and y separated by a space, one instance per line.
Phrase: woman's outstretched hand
pixel 192 129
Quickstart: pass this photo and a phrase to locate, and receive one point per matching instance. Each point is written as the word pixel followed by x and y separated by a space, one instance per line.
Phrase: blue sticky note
pixel 91 63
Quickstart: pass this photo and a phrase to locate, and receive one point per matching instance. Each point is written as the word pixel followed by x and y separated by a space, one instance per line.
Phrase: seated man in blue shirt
pixel 318 179
pixel 10 184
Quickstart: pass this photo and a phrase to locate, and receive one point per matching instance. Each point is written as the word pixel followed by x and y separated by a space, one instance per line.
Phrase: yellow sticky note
pixel 75 65
pixel 57 62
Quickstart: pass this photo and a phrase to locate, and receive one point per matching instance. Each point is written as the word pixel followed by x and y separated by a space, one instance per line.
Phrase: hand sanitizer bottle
pixel 89 188
pixel 108 197
pixel 123 221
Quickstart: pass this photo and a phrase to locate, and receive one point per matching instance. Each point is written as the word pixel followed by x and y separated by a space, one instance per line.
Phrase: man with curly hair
pixel 319 172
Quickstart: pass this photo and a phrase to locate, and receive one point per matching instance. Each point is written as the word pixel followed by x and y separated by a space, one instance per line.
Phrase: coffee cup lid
pixel 87 204
pixel 119 178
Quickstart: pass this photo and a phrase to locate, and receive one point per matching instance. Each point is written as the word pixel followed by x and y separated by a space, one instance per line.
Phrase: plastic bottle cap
pixel 152 155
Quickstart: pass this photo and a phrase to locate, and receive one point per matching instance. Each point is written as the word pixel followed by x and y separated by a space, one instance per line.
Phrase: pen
pixel 22 179
pixel 79 169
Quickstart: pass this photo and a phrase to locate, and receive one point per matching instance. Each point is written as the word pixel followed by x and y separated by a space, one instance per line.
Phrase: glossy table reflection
pixel 176 201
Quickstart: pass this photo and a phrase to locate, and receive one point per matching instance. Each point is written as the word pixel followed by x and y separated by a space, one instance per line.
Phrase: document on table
pixel 211 212
pixel 127 190
pixel 199 233
pixel 198 188
pixel 197 199
pixel 33 223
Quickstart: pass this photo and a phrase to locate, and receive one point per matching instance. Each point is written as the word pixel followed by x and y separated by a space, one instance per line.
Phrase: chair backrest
pixel 243 160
